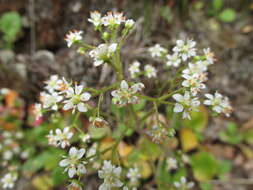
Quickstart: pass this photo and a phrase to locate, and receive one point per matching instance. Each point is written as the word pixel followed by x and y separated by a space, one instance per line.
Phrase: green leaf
pixel 10 25
pixel 248 136
pixel 204 165
pixel 59 176
pixel 166 13
pixel 98 133
pixel 149 149
pixel 43 182
pixel 206 186
pixel 199 120
pixel 227 15
pixel 139 106
pixel 48 160
pixel 225 166
pixel 218 4
pixel 231 135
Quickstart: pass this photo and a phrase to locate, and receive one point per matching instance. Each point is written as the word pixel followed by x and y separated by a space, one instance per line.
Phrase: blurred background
pixel 32 48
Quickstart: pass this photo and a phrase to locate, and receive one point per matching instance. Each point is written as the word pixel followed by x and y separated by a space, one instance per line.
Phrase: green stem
pixel 99 103
pixel 170 94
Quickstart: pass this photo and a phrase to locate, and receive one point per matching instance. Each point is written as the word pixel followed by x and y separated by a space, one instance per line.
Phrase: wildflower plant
pixel 133 109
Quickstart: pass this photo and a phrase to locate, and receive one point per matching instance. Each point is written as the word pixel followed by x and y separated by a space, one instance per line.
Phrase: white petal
pixel 80 153
pixel 208 102
pixel 113 47
pixel 81 107
pixel 68 105
pixel 117 183
pixel 178 108
pixel 64 163
pixel 124 85
pixel 85 96
pixel 103 187
pixel 117 171
pixel 210 96
pixel 81 169
pixel 178 97
pixel 72 172
pixel 70 92
pixel 98 62
pixel 73 151
pixel 78 89
pixel 183 180
pixel 177 185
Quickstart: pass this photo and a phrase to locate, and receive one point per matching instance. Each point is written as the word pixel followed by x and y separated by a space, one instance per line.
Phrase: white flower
pixel 86 138
pixel 111 175
pixel 64 86
pixel 157 51
pixel 184 184
pixel 74 36
pixel 4 91
pixel 158 133
pixel 173 60
pixel 92 152
pixel 129 23
pixel 195 68
pixel 194 82
pixel 52 139
pixel 72 162
pixel 103 53
pixel 150 71
pixel 7 155
pixel 134 68
pixel 19 135
pixel 54 83
pixel 185 49
pixel 51 100
pixel 172 163
pixel 126 95
pixel 60 138
pixel 8 180
pixel 76 99
pixel 185 104
pixel 209 56
pixel 219 103
pixel 95 18
pixel 133 174
pixel 113 19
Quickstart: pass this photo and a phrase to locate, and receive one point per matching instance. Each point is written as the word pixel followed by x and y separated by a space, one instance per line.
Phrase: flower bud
pixel 105 36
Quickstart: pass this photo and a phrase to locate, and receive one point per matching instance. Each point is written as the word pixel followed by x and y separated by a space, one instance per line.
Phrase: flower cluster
pixel 103 53
pixel 111 20
pixel 73 37
pixel 219 103
pixel 185 103
pixel 10 145
pixel 111 176
pixel 73 165
pixel 126 95
pixel 172 163
pixel 59 92
pixel 149 70
pixel 194 76
pixel 183 184
pixel 60 138
pixel 157 51
pixel 134 175
pixel 8 180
